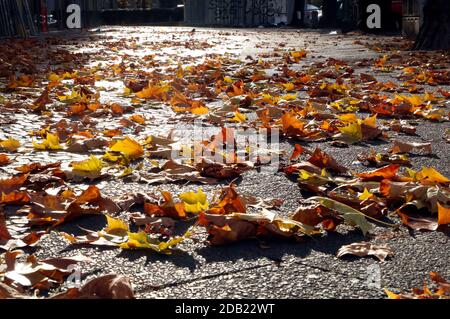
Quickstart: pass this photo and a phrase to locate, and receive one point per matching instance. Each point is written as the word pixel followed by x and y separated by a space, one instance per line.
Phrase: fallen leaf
pixel 11 145
pixel 195 202
pixel 363 249
pixel 128 147
pixel 443 215
pixel 110 286
pixel 404 147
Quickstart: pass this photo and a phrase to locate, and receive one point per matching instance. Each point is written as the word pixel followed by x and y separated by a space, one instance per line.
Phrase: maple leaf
pixel 91 165
pixel 11 145
pixel 323 160
pixel 158 92
pixel 195 202
pixel 51 142
pixel 429 175
pixel 129 148
pixel 229 202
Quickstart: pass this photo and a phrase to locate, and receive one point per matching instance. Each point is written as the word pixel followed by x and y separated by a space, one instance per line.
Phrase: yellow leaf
pixel 50 143
pixel 414 100
pixel 200 110
pixel 351 133
pixel 430 97
pixel 348 118
pixel 289 97
pixel 163 246
pixel 154 92
pixel 126 172
pixel 91 165
pixel 116 226
pixel 227 79
pixel 297 55
pixel 365 195
pixel 11 145
pixel 239 117
pixel 371 121
pixel 429 174
pixel 195 202
pixel 126 92
pixel 73 97
pixel 391 295
pixel 53 78
pixel 412 173
pixel 112 158
pixel 142 241
pixel 128 147
pixel 304 175
pixel 289 86
pixel 136 240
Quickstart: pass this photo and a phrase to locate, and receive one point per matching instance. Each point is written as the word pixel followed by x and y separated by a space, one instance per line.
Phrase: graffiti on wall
pixel 246 12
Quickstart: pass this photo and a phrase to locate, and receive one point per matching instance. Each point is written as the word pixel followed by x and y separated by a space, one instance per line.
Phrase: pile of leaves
pixel 106 115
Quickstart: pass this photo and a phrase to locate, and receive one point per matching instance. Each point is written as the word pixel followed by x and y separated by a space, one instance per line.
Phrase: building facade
pixel 238 13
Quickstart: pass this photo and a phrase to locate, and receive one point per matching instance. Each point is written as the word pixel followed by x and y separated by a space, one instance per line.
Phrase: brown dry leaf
pixel 402 126
pixel 56 210
pixel 404 147
pixel 229 202
pixel 167 209
pixel 7 292
pixel 313 214
pixel 364 249
pixel 322 160
pixel 12 184
pixel 28 240
pixel 40 274
pixel 224 230
pixel 374 159
pixel 175 172
pixel 15 198
pixel 419 223
pixel 105 287
pixel 222 171
pixel 4 233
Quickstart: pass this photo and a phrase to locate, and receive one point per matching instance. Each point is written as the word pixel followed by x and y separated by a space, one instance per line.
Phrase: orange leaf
pixel 138 119
pixel 443 215
pixel 387 172
pixel 4 159
pixel 297 152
